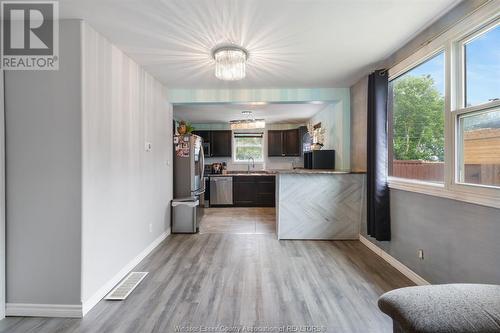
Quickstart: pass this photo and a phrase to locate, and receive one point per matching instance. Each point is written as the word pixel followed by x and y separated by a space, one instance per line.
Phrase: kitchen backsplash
pixel 270 163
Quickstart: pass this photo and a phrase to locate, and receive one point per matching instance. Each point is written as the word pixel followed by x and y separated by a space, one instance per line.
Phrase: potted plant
pixel 184 127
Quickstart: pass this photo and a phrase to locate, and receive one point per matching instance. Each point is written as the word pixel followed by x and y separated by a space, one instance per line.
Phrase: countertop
pixel 313 171
pixel 284 172
pixel 243 173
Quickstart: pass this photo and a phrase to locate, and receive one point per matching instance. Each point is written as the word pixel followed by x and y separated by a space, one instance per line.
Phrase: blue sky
pixel 433 67
pixel 482 66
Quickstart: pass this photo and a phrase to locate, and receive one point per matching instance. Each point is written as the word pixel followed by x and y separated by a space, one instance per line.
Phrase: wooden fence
pixel 481 151
pixel 420 170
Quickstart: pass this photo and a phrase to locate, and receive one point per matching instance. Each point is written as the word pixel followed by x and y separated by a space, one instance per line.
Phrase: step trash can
pixel 184 215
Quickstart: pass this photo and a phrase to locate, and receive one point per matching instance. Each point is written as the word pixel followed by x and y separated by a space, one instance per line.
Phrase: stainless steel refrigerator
pixel 189 184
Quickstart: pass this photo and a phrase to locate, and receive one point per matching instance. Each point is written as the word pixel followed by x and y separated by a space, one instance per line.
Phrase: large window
pixel 248 146
pixel 416 103
pixel 478 124
pixel 444 113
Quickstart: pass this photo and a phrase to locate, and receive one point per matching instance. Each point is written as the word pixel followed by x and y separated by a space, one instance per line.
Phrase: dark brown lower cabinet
pixel 244 191
pixel 266 189
pixel 254 191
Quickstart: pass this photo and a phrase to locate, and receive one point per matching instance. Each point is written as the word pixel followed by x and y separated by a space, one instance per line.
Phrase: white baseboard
pixel 414 277
pixel 88 304
pixel 43 310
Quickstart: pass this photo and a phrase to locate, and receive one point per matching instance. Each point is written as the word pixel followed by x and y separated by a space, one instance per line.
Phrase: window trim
pixel 451 41
pixel 233 136
pixel 395 73
pixel 459 49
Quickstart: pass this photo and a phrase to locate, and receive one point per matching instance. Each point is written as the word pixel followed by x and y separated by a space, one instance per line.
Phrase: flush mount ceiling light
pixel 249 123
pixel 230 62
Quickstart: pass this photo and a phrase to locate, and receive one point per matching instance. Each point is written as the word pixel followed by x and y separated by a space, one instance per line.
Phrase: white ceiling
pixel 292 43
pixel 223 113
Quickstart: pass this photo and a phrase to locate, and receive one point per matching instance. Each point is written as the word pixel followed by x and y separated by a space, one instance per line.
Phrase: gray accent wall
pixel 43 176
pixel 460 240
pixel 2 199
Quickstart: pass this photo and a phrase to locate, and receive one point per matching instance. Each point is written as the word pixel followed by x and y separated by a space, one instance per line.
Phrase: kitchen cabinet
pixel 266 191
pixel 291 142
pixel 205 135
pixel 244 191
pixel 254 191
pixel 220 142
pixel 283 142
pixel 274 143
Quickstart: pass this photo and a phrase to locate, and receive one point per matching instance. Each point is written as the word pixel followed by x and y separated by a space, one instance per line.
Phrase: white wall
pixel 335 119
pixel 126 190
pixel 43 178
pixel 270 163
pixel 82 191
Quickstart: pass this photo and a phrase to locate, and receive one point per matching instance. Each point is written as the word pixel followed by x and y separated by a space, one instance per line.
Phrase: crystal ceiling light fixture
pixel 230 62
pixel 249 123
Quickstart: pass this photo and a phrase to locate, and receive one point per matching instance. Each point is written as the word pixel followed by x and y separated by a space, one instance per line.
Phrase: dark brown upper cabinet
pixel 283 142
pixel 205 135
pixel 291 142
pixel 274 143
pixel 220 144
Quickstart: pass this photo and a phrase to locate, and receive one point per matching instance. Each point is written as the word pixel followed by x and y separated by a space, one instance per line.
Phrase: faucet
pixel 253 164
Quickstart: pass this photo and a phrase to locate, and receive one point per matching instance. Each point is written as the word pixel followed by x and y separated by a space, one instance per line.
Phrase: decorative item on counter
pixel 317 133
pixel 184 128
pixel 224 168
pixel 217 168
pixel 306 142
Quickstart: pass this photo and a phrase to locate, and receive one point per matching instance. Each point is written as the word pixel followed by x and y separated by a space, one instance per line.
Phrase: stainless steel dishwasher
pixel 221 191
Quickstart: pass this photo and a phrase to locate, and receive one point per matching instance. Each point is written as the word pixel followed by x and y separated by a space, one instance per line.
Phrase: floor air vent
pixel 126 286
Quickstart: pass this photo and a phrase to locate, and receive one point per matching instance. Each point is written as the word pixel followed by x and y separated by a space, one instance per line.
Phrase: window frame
pixel 393 75
pixel 451 42
pixel 234 159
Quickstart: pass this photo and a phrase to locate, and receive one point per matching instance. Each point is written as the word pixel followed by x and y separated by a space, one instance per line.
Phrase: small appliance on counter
pixel 319 159
pixel 217 168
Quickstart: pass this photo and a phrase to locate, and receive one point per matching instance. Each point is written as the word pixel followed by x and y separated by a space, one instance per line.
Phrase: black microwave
pixel 319 159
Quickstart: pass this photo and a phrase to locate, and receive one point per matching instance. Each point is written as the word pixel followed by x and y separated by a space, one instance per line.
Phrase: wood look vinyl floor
pixel 218 281
pixel 254 220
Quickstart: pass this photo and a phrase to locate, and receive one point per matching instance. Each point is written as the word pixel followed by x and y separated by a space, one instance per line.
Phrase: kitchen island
pixel 319 204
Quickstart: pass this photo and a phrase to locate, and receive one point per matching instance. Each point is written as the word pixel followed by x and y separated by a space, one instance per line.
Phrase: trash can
pixel 184 215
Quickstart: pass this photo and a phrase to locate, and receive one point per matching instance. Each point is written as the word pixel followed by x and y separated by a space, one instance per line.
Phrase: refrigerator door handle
pixel 202 166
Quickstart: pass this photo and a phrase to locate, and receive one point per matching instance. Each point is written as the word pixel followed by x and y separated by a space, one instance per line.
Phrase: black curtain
pixel 378 212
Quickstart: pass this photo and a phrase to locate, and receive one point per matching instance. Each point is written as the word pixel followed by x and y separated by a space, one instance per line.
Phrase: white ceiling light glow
pixel 249 123
pixel 230 62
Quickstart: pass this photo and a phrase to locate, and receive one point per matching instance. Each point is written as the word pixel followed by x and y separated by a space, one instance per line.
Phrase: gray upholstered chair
pixel 449 308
